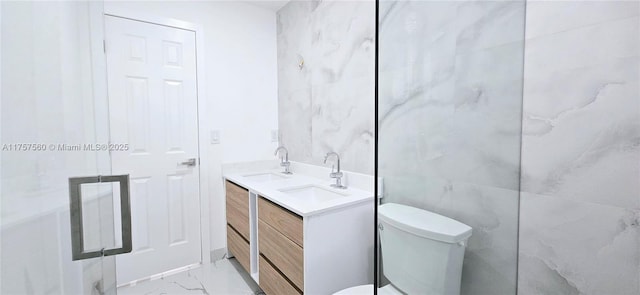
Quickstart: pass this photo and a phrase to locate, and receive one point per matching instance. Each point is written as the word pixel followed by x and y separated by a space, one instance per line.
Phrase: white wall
pixel 241 84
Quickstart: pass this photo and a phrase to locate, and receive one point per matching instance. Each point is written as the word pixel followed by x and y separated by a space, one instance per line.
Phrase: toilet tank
pixel 422 252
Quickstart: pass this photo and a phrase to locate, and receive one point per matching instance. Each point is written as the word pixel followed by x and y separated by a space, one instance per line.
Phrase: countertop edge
pixel 265 190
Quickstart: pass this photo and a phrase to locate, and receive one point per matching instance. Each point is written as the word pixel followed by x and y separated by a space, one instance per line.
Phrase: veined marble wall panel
pixel 326 81
pixel 450 89
pixel 569 247
pixel 580 202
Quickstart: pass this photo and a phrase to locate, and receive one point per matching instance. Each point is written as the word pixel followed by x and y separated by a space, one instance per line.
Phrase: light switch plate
pixel 215 136
pixel 274 135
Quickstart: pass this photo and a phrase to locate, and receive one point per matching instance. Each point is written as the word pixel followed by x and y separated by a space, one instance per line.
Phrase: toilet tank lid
pixel 424 223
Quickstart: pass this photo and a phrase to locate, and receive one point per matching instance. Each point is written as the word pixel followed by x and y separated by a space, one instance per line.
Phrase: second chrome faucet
pixel 335 174
pixel 284 160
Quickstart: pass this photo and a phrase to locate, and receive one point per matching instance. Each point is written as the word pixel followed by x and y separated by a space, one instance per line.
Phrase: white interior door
pixel 153 107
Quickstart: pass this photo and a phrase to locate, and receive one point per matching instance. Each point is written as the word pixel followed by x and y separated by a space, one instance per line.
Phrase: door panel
pixel 153 107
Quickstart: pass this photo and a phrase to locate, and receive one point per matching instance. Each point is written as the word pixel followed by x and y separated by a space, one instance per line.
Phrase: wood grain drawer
pixel 287 223
pixel 272 282
pixel 239 248
pixel 238 208
pixel 283 253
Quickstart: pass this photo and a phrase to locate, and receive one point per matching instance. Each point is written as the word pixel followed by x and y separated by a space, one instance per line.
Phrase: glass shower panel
pixel 449 124
pixel 53 108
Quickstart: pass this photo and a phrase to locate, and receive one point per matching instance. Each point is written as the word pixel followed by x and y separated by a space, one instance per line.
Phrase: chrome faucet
pixel 284 161
pixel 335 174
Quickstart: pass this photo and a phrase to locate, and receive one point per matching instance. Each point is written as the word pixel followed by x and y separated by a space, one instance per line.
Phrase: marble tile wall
pixel 580 201
pixel 534 144
pixel 450 89
pixel 454 139
pixel 327 103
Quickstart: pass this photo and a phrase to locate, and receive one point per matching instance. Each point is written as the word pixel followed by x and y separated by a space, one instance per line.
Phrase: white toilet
pixel 422 252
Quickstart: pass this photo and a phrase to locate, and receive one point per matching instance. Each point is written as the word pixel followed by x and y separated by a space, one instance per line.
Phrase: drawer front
pixel 285 222
pixel 272 282
pixel 238 208
pixel 239 248
pixel 283 253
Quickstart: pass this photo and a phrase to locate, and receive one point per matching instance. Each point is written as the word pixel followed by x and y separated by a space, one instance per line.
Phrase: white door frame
pixel 203 165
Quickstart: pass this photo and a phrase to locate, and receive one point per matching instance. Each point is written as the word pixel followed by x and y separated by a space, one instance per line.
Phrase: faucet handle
pixel 334 173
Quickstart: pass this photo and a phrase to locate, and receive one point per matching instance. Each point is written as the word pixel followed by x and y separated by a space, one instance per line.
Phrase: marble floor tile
pixel 221 277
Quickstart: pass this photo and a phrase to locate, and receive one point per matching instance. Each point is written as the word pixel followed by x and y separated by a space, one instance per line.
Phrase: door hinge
pixel 104 46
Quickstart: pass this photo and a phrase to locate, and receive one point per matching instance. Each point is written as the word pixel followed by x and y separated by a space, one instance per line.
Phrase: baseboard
pixel 218 254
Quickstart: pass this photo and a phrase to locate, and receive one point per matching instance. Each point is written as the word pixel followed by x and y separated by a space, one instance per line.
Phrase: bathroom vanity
pixel 295 234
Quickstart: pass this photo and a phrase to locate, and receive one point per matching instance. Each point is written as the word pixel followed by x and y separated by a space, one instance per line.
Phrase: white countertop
pixel 300 205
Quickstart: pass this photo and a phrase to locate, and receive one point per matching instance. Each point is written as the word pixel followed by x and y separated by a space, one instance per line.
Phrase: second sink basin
pixel 263 177
pixel 312 193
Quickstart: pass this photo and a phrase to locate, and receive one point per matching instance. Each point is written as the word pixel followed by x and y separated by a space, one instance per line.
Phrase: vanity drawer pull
pixel 287 223
pixel 238 208
pixel 272 282
pixel 239 248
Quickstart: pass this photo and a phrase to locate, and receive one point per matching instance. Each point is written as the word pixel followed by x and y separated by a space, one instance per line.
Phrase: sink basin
pixel 313 193
pixel 263 177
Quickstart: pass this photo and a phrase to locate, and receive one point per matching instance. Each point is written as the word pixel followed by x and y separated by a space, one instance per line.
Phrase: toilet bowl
pixel 422 252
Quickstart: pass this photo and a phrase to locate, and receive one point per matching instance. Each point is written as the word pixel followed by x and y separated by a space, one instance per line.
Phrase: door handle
pixel 75 205
pixel 190 162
